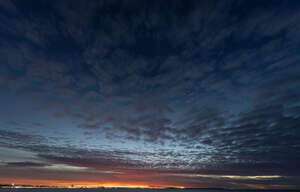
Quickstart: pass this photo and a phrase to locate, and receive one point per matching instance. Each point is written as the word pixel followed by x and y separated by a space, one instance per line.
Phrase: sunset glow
pixel 41 183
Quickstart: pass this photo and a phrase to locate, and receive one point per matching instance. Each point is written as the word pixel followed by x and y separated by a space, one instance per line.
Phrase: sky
pixel 150 93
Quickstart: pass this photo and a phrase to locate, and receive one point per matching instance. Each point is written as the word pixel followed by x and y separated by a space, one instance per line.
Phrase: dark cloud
pixel 25 164
pixel 214 84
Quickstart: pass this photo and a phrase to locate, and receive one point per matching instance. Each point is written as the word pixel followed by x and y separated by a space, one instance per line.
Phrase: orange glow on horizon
pixel 59 184
pixel 86 184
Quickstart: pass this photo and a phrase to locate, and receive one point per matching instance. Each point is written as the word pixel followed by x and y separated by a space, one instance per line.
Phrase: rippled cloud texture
pixel 152 93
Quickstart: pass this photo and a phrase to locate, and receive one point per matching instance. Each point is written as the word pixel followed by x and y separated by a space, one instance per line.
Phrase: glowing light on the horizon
pixel 58 184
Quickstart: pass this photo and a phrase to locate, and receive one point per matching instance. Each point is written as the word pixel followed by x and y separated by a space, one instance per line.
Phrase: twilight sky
pixel 150 93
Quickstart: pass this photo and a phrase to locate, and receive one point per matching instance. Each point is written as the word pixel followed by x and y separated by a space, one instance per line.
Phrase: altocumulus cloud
pixel 177 89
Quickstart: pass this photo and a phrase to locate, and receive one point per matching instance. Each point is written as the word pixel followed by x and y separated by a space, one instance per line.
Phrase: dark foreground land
pixel 130 190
